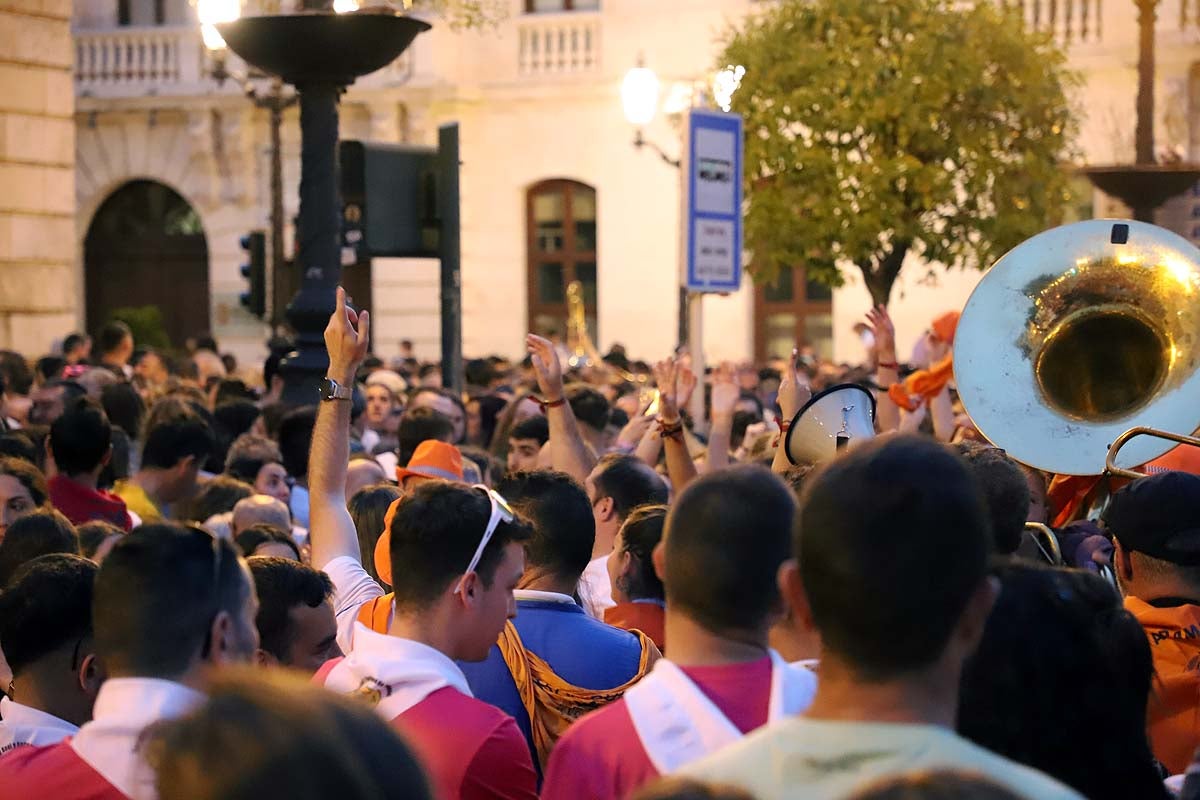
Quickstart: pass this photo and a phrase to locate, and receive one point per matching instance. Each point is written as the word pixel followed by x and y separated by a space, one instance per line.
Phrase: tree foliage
pixel 875 129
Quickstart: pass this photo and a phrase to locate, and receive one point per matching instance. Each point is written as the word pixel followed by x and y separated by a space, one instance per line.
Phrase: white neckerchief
pixel 595 588
pixel 124 708
pixel 543 597
pixel 23 725
pixel 395 673
pixel 678 724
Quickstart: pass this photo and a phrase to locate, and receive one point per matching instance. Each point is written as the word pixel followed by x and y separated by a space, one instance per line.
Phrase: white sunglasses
pixel 501 512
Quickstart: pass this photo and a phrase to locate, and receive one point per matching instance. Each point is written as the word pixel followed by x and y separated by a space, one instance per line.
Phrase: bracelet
pixel 671 430
pixel 784 426
pixel 545 404
pixel 887 365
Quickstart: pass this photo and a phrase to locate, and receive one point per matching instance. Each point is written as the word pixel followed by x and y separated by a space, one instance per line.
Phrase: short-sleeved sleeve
pixel 353 586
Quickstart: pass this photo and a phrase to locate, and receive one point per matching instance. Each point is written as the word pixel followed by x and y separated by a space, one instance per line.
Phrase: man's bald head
pixel 361 473
pixel 261 509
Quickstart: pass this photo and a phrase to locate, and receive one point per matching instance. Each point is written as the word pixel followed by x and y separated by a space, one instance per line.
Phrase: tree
pixel 875 129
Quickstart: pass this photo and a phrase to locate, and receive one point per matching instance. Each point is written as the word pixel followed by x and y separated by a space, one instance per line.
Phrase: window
pixel 561 234
pixel 792 311
pixel 544 6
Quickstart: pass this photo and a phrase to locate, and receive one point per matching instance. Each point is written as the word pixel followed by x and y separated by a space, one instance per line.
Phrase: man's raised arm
pixel 568 451
pixel 331 530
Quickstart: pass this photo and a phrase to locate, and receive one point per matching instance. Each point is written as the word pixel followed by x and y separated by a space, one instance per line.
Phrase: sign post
pixel 712 240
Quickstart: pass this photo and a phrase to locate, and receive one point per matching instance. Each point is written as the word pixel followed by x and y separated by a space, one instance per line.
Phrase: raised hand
pixel 725 391
pixel 346 338
pixel 793 388
pixel 880 323
pixel 547 366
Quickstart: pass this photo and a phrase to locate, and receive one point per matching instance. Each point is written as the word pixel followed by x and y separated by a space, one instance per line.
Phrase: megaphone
pixel 830 421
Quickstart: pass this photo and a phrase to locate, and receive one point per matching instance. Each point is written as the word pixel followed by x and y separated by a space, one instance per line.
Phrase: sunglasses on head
pixel 501 512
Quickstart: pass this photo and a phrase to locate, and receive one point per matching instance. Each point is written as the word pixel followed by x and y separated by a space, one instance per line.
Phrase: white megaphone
pixel 830 421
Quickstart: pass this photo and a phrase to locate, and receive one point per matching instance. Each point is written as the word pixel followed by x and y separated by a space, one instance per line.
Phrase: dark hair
pixel 742 420
pixel 705 565
pixel 564 530
pixel 435 532
pixel 261 533
pixel 50 367
pixel 47 606
pixel 218 496
pixel 157 595
pixel 172 440
pixel 1055 639
pixel 758 403
pixel 536 427
pixel 249 454
pixel 124 407
pixel 629 482
pixel 80 437
pixel 418 425
pixel 640 534
pixel 899 520
pixel 295 439
pixel 17 444
pixel 283 584
pixel 30 477
pixel 491 406
pixel 1005 492
pixel 936 785
pixel 368 507
pixel 498 444
pixel 479 372
pixel 206 341
pixel 236 418
pixel 94 533
pixel 111 336
pixel 73 340
pixel 589 406
pixel 18 377
pixel 676 788
pixel 36 534
pixel 277 736
pixel 232 390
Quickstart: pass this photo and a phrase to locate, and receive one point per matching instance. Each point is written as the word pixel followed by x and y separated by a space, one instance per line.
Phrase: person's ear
pixel 107 457
pixel 221 635
pixel 606 509
pixel 1122 562
pixel 625 563
pixel 264 659
pixel 791 588
pixel 973 620
pixel 91 674
pixel 658 556
pixel 472 587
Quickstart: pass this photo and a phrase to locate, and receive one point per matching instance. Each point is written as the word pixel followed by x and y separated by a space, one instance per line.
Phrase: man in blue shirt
pixel 555 663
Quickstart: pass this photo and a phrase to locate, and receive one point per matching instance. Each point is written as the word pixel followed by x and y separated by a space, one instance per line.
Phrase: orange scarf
pixel 926 384
pixel 551 703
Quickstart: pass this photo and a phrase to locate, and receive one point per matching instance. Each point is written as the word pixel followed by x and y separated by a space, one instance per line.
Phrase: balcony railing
pixel 160 57
pixel 1068 20
pixel 558 44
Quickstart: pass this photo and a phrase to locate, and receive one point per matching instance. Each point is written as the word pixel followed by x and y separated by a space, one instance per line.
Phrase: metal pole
pixel 1144 139
pixel 450 253
pixel 318 233
pixel 278 278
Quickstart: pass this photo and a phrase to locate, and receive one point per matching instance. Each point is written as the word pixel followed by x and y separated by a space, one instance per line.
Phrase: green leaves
pixel 873 127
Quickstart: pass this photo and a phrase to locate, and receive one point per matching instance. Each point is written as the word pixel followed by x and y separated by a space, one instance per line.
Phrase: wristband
pixel 784 426
pixel 545 404
pixel 671 430
pixel 887 365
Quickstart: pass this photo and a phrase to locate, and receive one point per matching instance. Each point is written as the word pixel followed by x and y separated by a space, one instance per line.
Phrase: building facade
pixel 171 167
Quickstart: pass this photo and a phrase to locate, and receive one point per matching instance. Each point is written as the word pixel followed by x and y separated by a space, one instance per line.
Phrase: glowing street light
pixel 725 83
pixel 213 12
pixel 639 95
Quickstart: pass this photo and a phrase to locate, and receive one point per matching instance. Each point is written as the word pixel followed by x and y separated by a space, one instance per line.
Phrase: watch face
pixel 328 389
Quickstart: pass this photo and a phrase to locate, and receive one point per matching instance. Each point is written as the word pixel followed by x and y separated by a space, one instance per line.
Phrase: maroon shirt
pixel 80 504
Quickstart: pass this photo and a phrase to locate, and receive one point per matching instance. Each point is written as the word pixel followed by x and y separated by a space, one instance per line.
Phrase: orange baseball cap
pixel 432 460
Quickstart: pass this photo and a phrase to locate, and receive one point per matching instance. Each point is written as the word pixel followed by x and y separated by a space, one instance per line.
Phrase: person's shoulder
pixel 600 728
pixel 467 712
pixel 1026 781
pixel 52 771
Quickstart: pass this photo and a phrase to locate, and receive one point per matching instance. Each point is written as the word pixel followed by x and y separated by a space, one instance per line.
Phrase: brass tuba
pixel 1081 339
pixel 582 349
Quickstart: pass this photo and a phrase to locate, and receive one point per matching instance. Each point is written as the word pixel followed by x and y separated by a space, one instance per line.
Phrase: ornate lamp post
pixel 1144 185
pixel 320 53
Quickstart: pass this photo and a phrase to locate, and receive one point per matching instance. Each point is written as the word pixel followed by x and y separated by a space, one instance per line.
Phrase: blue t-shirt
pixel 581 650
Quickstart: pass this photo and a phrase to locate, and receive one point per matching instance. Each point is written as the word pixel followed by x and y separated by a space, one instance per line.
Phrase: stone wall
pixel 38 275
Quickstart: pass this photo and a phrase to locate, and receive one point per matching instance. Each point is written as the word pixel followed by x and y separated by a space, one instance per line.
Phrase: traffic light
pixel 254 299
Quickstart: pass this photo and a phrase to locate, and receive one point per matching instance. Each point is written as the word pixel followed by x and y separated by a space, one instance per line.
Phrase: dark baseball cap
pixel 1159 516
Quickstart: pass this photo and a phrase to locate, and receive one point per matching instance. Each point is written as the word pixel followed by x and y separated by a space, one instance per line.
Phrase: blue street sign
pixel 714 202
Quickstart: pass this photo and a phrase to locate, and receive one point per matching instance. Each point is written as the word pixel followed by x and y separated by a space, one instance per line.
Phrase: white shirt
pixel 22 725
pixel 595 588
pixel 124 708
pixel 353 586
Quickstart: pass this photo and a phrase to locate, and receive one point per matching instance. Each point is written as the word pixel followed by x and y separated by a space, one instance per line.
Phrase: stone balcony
pixel 1092 23
pixel 558 44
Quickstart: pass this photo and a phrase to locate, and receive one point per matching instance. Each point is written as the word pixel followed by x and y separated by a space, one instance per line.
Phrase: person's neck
pixel 693 645
pixel 925 697
pixel 1162 590
pixel 432 628
pixel 537 579
pixel 49 696
pixel 88 480
pixel 606 534
pixel 112 360
pixel 153 483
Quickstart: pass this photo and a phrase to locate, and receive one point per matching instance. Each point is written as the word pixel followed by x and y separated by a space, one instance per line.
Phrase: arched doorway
pixel 146 247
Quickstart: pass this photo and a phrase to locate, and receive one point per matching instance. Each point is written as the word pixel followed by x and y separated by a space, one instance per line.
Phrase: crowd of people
pixel 569 582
